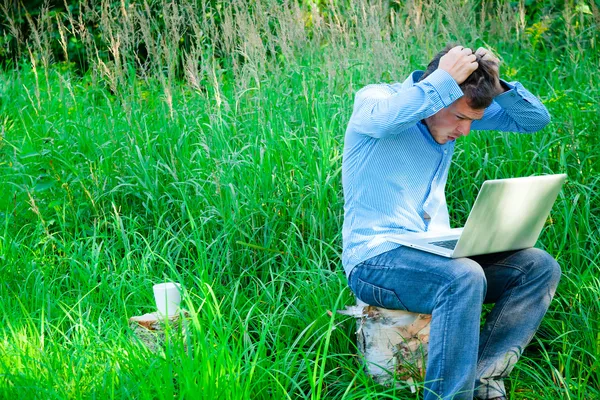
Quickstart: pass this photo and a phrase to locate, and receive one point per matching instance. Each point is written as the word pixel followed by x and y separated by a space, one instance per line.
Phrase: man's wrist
pixel 510 97
pixel 502 87
pixel 444 85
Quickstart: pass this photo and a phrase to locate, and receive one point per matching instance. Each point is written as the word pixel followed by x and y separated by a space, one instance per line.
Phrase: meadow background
pixel 201 142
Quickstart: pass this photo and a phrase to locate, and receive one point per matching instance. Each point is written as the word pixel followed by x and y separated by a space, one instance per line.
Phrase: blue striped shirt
pixel 394 172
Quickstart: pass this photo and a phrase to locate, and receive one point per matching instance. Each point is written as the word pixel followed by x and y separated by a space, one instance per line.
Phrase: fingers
pixel 461 49
pixel 470 57
pixel 481 51
pixel 464 52
pixel 459 62
pixel 472 63
pixel 487 55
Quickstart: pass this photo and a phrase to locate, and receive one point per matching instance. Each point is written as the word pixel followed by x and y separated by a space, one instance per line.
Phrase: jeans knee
pixel 546 266
pixel 554 272
pixel 472 279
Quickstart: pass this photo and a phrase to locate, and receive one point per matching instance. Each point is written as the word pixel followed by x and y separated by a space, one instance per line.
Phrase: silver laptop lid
pixel 508 214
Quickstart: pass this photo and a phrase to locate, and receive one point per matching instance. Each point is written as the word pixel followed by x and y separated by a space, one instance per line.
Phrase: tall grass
pixel 204 146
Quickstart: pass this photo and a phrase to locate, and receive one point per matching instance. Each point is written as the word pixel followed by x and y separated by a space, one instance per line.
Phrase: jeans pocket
pixel 378 296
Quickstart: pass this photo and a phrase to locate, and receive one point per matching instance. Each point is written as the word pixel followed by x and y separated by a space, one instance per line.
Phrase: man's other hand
pixel 459 62
pixel 487 55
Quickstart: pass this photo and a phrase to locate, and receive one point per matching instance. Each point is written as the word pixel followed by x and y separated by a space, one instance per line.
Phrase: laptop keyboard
pixel 447 244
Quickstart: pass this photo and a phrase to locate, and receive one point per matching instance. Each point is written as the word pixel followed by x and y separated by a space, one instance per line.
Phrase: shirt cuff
pixel 509 97
pixel 445 86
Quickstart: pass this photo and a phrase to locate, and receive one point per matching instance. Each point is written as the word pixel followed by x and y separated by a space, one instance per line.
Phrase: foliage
pixel 201 142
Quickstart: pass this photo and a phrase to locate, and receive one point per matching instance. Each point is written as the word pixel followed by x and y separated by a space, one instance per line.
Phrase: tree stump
pixel 151 329
pixel 391 342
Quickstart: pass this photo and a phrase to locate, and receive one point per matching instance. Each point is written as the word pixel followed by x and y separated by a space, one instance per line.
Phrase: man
pixel 398 147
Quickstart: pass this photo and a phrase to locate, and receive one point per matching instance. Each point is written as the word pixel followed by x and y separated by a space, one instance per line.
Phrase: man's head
pixel 479 90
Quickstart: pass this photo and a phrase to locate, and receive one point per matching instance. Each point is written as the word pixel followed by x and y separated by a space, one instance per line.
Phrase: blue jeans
pixel 464 362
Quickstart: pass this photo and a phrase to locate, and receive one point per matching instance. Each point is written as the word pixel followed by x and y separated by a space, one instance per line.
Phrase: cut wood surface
pixel 391 341
pixel 151 329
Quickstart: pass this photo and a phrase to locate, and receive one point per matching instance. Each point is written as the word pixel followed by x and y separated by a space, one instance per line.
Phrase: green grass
pixel 226 177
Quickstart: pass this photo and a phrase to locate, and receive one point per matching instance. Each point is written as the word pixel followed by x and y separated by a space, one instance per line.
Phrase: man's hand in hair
pixel 459 62
pixel 486 55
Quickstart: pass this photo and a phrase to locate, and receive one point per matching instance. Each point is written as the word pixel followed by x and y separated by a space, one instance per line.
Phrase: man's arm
pixel 514 108
pixel 380 111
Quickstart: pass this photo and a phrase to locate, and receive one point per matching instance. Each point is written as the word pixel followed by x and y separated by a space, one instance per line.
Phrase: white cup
pixel 167 296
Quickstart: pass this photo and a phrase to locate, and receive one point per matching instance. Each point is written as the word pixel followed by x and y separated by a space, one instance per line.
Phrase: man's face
pixel 452 122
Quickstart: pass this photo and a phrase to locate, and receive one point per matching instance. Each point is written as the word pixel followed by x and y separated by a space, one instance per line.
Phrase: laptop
pixel 508 214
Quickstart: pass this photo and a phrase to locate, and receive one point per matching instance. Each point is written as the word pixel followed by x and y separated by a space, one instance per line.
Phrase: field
pixel 201 142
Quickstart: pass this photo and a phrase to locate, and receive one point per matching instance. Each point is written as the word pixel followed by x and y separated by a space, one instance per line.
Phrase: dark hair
pixel 479 88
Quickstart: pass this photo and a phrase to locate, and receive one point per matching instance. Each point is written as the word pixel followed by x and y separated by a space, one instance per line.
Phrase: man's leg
pixel 522 284
pixel 452 290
